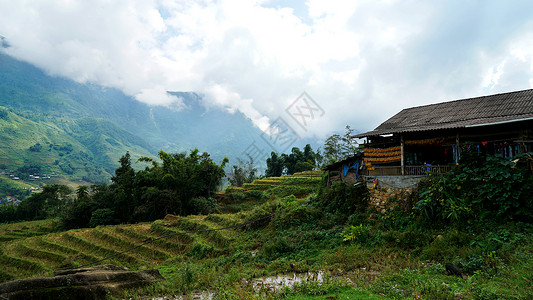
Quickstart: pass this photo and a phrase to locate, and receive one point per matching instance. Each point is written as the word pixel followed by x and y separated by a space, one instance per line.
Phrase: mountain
pixel 81 130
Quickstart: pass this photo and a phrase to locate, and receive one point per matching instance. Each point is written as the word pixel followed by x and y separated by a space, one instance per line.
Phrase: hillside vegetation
pixel 82 149
pixel 327 234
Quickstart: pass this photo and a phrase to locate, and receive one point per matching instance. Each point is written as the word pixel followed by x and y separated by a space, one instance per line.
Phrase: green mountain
pixel 82 129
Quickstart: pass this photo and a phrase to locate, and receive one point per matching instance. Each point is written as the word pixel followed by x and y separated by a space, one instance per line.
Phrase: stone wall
pixel 384 187
pixel 395 182
pixel 379 197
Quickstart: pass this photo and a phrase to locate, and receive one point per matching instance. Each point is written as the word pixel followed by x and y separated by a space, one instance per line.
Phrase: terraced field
pixel 39 255
pixel 33 249
pixel 299 184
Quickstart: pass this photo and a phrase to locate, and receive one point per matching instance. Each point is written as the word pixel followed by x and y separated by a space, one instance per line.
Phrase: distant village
pixel 32 178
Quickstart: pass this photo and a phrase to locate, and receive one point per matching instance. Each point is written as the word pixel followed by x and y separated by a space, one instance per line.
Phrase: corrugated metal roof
pixel 507 107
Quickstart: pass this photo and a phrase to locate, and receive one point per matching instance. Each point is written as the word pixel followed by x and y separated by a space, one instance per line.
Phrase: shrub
pixel 258 195
pixel 296 214
pixel 343 200
pixel 480 188
pixel 359 234
pixel 203 206
pixel 200 251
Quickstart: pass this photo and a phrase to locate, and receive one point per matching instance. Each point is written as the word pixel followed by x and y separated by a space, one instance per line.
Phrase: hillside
pixel 81 149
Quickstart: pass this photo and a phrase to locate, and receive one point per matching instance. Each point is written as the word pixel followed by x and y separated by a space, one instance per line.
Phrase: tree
pixel 339 147
pixel 243 172
pixel 178 180
pixel 332 148
pixel 123 188
pixel 274 165
pixel 349 146
pixel 48 203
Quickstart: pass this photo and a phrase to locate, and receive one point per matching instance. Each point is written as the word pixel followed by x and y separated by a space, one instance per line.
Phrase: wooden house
pixel 430 138
pixel 347 170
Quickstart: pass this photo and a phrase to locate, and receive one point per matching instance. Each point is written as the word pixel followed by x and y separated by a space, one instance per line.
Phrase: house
pixel 430 138
pixel 346 170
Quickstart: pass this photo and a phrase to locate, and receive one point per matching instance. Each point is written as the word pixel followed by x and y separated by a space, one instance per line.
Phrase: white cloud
pixel 362 61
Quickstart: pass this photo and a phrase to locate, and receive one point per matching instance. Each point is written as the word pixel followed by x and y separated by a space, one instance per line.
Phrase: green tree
pixel 169 187
pixel 123 188
pixel 332 148
pixel 46 204
pixel 274 165
pixel 349 146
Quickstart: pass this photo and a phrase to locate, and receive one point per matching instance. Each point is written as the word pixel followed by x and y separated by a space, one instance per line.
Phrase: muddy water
pixel 271 284
pixel 274 283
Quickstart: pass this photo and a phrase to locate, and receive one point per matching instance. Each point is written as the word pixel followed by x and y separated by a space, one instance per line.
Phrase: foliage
pixel 102 216
pixel 359 234
pixel 480 188
pixel 36 148
pixel 332 148
pixel 47 204
pixel 294 162
pixel 274 166
pixel 181 185
pixel 4 114
pixel 204 206
pixel 337 147
pixel 342 200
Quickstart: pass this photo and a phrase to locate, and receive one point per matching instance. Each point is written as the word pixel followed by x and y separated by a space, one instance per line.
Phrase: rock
pixel 87 283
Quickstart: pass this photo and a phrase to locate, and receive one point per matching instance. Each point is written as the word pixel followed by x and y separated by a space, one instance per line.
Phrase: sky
pixel 358 62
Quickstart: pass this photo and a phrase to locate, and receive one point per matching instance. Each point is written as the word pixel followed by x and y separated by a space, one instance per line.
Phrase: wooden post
pixel 402 154
pixel 458 150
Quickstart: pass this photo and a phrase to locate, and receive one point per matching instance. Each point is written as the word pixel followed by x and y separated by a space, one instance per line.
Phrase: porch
pixel 420 170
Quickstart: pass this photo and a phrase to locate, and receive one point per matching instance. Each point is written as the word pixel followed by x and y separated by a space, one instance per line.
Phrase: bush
pixel 203 206
pixel 343 200
pixel 258 195
pixel 481 188
pixel 200 251
pixel 359 234
pixel 296 214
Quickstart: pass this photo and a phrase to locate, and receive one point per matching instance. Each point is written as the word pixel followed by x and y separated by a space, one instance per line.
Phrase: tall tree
pixel 123 187
pixel 349 146
pixel 274 165
pixel 332 148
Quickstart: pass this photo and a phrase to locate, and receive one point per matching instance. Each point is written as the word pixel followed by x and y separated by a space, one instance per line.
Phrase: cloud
pixel 361 61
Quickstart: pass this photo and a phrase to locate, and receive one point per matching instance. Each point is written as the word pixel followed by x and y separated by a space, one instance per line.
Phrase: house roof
pixel 338 164
pixel 479 111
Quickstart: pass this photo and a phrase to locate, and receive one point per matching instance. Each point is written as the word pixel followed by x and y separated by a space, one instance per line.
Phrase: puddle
pixel 271 284
pixel 274 283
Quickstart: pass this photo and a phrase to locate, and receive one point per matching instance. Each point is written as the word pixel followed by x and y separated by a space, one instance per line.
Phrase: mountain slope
pixel 103 123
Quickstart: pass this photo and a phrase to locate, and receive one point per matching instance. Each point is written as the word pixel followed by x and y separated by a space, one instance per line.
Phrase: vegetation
pixel 481 188
pixel 330 236
pixel 337 147
pixel 243 172
pixel 296 161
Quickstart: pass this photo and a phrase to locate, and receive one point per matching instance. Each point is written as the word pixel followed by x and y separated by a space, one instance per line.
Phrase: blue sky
pixel 361 61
